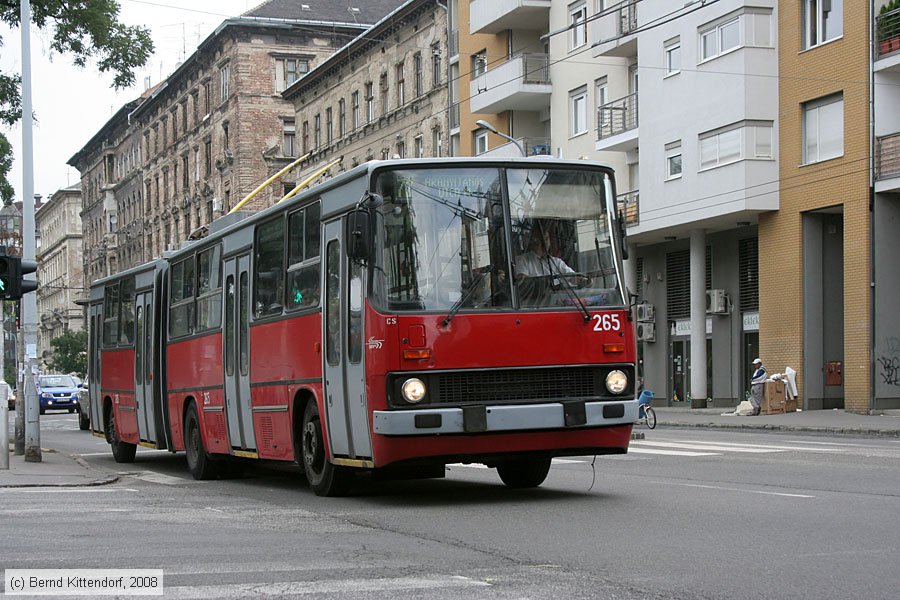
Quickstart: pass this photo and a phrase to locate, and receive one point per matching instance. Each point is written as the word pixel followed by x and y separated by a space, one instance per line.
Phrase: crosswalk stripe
pixel 346 586
pixel 556 461
pixel 704 443
pixel 637 450
pixel 153 477
pixel 721 448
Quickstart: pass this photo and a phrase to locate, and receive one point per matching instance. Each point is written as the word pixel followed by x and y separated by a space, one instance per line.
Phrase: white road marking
pixel 345 586
pixel 153 477
pixel 728 489
pixel 704 443
pixel 91 490
pixel 632 449
pixel 643 443
pixel 556 461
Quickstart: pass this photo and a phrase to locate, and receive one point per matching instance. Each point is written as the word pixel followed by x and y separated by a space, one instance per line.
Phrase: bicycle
pixel 645 411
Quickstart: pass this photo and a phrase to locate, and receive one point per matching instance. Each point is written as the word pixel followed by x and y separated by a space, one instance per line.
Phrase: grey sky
pixel 71 104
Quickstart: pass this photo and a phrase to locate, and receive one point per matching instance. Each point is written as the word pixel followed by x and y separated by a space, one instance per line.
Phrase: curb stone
pixel 798 428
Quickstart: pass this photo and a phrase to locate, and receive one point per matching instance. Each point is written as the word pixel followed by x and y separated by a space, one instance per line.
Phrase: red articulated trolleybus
pixel 404 315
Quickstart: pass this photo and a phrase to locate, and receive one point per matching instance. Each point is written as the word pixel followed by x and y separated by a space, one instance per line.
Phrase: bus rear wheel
pixel 324 478
pixel 123 452
pixel 199 463
pixel 524 472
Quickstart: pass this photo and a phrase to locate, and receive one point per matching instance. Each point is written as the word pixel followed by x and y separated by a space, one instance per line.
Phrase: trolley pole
pixel 29 301
pixel 20 394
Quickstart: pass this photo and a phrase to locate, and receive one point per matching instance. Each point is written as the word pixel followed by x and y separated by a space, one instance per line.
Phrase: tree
pixel 86 30
pixel 69 353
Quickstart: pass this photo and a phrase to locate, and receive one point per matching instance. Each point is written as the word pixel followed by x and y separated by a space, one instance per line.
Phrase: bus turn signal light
pixel 417 354
pixel 614 348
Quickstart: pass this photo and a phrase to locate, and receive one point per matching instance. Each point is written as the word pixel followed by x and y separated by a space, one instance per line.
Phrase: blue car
pixel 57 392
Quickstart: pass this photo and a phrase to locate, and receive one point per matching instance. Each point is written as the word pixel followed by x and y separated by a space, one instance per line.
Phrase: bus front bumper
pixel 505 418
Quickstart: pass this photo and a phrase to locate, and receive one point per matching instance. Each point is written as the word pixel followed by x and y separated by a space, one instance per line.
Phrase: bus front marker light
pixel 413 390
pixel 616 382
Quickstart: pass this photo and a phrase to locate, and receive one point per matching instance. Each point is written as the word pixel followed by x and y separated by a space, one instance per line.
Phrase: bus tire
pixel 123 452
pixel 524 472
pixel 84 421
pixel 324 478
pixel 199 463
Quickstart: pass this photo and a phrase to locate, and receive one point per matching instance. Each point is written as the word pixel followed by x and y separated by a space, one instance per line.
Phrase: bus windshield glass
pixel 462 238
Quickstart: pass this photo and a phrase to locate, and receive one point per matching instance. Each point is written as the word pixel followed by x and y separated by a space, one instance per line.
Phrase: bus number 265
pixel 607 322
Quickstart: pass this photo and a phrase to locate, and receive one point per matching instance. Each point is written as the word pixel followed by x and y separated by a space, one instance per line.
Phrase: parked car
pixel 84 407
pixel 57 392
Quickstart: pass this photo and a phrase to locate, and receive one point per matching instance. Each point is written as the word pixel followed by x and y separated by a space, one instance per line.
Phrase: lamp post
pixel 492 129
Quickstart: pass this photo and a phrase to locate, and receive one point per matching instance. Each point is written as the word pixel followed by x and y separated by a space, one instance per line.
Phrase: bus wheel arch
pixel 123 452
pixel 325 478
pixel 200 464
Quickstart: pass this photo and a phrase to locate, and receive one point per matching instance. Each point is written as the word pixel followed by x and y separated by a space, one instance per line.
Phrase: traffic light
pixel 12 270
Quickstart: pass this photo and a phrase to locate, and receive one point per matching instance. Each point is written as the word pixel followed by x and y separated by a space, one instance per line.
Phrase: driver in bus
pixel 538 261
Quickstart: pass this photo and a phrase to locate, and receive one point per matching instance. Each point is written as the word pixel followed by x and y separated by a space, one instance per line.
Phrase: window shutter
pixel 748 271
pixel 678 284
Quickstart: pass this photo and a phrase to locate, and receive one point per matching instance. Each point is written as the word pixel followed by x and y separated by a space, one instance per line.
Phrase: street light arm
pixel 492 129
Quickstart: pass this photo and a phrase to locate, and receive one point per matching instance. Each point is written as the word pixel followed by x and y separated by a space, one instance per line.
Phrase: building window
pixel 401 86
pixel 328 125
pixel 354 99
pixel 305 137
pixel 481 141
pixel 370 102
pixel 823 129
pixel 342 117
pixel 479 63
pixel 385 91
pixel 578 111
pixel 224 77
pixel 437 142
pixel 673 56
pixel 719 148
pixel 419 145
pixel 823 21
pixel 601 96
pixel 720 39
pixel 289 70
pixel 435 65
pixel 419 74
pixel 289 136
pixel 401 149
pixel 317 132
pixel 207 97
pixel 673 160
pixel 577 25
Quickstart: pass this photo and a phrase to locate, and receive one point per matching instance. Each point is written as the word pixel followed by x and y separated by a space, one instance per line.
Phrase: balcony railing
pixel 887 156
pixel 888 32
pixel 627 17
pixel 454 43
pixel 454 116
pixel 537 68
pixel 628 204
pixel 617 116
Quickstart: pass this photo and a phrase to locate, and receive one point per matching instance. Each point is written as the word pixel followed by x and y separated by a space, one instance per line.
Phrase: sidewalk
pixel 830 422
pixel 54 470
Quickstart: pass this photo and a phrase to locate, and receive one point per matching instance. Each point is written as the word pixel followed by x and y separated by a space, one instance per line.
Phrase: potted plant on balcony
pixel 889 28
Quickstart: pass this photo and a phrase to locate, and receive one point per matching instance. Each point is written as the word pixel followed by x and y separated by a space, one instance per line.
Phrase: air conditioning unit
pixel 646 332
pixel 645 312
pixel 716 303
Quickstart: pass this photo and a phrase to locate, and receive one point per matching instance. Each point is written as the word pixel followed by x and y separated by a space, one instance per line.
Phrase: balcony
pixel 612 32
pixel 628 205
pixel 532 146
pixel 521 83
pixel 494 16
pixel 454 43
pixel 888 26
pixel 887 163
pixel 618 129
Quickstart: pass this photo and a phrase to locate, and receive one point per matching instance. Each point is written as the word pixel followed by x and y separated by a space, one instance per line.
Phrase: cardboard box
pixel 773 398
pixel 790 405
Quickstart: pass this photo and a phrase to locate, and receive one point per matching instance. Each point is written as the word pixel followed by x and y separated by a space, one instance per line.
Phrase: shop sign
pixel 683 328
pixel 751 321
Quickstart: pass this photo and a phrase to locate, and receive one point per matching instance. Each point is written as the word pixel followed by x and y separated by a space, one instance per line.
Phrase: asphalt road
pixel 687 514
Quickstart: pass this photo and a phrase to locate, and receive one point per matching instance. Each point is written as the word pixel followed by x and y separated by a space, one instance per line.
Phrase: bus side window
pixel 126 312
pixel 181 305
pixel 268 278
pixel 303 258
pixel 111 315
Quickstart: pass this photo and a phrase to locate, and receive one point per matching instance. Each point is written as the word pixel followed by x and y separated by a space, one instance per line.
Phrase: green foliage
pixel 85 30
pixel 69 353
pixel 889 27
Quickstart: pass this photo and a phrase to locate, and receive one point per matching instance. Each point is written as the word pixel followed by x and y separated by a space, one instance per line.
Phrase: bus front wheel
pixel 524 472
pixel 199 463
pixel 324 478
pixel 123 452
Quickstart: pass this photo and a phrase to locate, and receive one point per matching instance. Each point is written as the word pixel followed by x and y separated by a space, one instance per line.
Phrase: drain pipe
pixel 872 287
pixel 446 8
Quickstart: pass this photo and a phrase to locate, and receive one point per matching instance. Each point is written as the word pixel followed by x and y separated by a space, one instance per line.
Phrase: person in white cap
pixel 757 384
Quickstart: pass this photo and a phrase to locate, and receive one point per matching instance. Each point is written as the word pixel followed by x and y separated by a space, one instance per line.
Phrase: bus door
pixel 346 412
pixel 143 366
pixel 96 323
pixel 236 346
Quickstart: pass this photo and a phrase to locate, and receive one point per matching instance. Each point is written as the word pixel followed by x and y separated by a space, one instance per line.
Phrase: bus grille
pixel 513 385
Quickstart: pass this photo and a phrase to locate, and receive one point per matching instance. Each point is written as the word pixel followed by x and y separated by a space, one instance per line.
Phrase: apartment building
pixel 691 103
pixel 383 95
pixel 184 153
pixel 500 75
pixel 59 266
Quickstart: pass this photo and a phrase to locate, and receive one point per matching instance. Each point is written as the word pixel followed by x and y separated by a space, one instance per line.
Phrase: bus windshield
pixel 465 238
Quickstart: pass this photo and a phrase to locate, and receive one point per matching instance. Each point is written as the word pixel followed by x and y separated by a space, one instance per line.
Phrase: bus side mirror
pixel 358 234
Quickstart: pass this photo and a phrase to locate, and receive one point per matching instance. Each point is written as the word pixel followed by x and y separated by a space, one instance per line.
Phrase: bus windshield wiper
pixel 462 299
pixel 571 291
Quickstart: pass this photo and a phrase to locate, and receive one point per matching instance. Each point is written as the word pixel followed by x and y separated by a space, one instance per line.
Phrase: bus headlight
pixel 616 382
pixel 413 390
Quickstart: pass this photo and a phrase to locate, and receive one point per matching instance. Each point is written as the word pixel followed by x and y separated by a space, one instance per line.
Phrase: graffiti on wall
pixel 890 362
